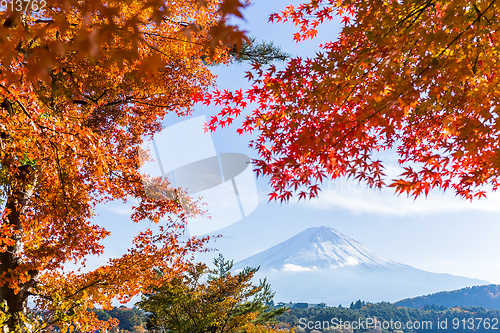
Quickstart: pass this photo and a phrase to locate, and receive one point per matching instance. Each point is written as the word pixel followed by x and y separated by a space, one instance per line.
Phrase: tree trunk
pixel 10 258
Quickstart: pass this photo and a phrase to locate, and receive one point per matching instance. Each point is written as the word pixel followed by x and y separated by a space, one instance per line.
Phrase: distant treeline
pixel 383 317
pixel 131 319
pixel 387 317
pixel 487 296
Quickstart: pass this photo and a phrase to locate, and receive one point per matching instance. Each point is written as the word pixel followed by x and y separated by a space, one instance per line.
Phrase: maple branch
pixel 55 319
pixel 95 100
pixel 475 64
pixel 43 21
pixel 182 24
pixel 88 286
pixel 158 50
pixel 54 146
pixel 409 53
pixel 126 100
pixel 23 108
pixel 357 84
pixel 124 178
pixel 155 105
pixel 417 10
pixel 80 102
pixel 17 101
pixel 464 31
pixel 479 102
pixel 455 39
pixel 418 75
pixel 171 38
pixel 358 123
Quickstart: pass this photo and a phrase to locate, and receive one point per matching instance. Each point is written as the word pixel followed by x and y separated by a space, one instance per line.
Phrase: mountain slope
pixel 487 296
pixel 314 248
pixel 323 265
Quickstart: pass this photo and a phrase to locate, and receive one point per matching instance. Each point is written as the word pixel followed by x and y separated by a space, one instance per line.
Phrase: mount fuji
pixel 323 265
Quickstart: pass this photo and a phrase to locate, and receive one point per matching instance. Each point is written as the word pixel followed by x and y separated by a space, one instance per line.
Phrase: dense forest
pixel 380 317
pixel 387 317
pixel 487 296
pixel 130 319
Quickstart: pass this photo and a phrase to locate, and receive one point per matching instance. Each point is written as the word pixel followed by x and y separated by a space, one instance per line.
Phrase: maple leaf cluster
pixel 418 78
pixel 82 84
pixel 114 31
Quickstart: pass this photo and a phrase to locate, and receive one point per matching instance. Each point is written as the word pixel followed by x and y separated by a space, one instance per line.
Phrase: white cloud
pixel 351 261
pixel 359 199
pixel 297 268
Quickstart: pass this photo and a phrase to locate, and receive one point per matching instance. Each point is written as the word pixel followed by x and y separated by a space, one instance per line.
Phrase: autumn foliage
pixel 82 83
pixel 417 78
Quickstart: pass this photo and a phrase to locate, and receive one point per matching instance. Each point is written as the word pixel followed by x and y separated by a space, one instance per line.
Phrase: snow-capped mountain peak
pixel 322 265
pixel 314 249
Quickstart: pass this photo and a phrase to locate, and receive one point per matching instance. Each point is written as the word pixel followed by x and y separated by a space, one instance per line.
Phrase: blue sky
pixel 441 233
